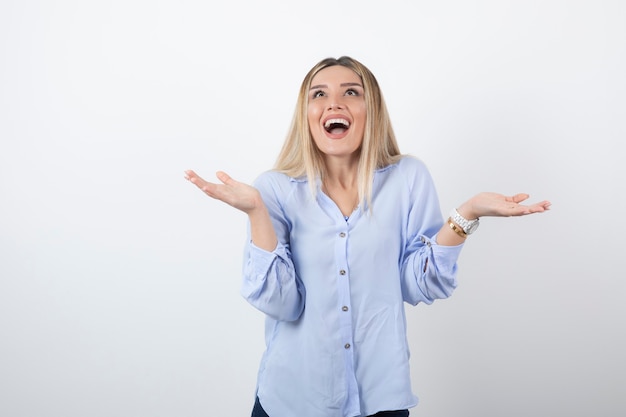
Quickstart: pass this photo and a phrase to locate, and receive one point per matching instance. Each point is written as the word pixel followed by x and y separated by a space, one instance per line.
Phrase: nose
pixel 334 105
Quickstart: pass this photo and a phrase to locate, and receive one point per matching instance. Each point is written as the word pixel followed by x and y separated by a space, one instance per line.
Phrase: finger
pixel 212 190
pixel 208 188
pixel 190 175
pixel 224 177
pixel 518 198
pixel 194 178
pixel 539 207
pixel 535 208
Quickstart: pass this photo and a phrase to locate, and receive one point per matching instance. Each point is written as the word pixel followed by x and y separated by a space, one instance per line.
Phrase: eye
pixel 352 92
pixel 318 93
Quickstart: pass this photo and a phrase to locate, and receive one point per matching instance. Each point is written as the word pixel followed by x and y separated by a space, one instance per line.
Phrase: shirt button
pixel 347 346
pixel 342 272
pixel 344 308
pixel 342 234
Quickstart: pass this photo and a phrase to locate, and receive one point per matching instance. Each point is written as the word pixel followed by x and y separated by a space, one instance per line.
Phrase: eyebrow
pixel 313 87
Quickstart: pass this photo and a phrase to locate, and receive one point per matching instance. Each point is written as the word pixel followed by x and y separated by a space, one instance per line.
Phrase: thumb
pixel 518 198
pixel 224 177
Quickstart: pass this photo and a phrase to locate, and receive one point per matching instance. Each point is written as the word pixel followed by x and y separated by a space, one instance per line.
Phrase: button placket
pixel 344 288
pixel 344 306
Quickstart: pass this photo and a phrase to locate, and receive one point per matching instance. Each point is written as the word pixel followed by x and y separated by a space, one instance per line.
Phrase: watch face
pixel 472 227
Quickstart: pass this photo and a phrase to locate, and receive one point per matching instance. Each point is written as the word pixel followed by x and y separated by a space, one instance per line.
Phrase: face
pixel 337 111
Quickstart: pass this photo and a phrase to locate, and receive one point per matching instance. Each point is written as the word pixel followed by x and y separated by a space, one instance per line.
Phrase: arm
pixel 428 268
pixel 269 280
pixel 431 269
pixel 432 247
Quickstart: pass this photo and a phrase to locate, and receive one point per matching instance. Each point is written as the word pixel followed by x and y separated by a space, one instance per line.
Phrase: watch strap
pixel 468 226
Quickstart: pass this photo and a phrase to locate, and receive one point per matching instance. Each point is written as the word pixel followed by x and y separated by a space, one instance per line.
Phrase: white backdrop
pixel 119 280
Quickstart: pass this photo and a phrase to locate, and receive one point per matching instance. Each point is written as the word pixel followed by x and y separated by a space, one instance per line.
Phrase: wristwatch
pixel 468 226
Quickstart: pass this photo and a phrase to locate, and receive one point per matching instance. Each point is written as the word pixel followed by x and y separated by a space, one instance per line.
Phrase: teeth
pixel 329 122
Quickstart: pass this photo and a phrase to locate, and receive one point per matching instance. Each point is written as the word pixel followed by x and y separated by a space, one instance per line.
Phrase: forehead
pixel 336 74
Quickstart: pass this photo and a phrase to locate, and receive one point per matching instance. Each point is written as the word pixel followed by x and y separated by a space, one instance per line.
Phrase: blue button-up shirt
pixel 333 292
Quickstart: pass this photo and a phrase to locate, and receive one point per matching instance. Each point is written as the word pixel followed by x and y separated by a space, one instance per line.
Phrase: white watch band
pixel 468 226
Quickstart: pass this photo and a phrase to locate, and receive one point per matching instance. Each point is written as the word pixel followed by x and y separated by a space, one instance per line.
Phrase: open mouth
pixel 336 126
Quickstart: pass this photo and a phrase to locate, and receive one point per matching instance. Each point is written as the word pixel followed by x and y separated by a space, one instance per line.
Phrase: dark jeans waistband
pixel 258 411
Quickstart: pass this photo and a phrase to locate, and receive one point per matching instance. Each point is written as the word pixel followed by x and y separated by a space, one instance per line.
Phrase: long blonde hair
pixel 300 156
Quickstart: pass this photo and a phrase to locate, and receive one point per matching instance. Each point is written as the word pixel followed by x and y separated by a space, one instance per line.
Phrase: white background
pixel 119 281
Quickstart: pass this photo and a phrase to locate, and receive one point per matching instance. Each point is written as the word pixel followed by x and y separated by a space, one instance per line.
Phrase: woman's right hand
pixel 234 193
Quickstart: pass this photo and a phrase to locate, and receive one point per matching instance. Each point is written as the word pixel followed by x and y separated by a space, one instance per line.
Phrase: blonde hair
pixel 300 156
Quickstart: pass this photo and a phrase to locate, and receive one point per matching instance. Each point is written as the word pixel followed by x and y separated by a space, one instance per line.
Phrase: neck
pixel 341 185
pixel 341 173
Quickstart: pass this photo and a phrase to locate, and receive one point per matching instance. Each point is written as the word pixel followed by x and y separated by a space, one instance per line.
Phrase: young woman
pixel 342 232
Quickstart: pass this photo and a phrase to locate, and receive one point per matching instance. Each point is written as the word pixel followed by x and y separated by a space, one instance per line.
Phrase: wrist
pixel 467 226
pixel 456 228
pixel 258 211
pixel 466 211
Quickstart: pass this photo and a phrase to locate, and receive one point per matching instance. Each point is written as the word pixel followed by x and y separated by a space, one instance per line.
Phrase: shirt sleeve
pixel 429 270
pixel 270 282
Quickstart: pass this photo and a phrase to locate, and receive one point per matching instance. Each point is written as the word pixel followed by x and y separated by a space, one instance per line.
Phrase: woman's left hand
pixel 498 205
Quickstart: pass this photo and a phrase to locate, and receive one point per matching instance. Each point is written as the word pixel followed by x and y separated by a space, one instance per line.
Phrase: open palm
pixel 234 193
